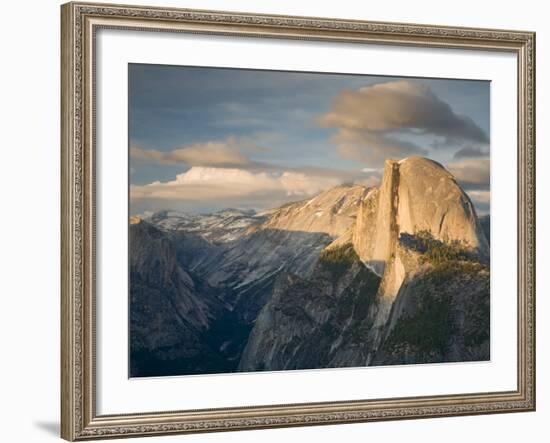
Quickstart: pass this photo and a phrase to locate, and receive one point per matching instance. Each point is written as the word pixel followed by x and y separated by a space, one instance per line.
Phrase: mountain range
pixel 355 276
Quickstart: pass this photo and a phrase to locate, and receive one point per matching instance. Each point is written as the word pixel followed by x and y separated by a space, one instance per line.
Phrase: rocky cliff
pixel 290 239
pixel 416 195
pixel 331 212
pixel 307 321
pixel 419 234
pixel 174 315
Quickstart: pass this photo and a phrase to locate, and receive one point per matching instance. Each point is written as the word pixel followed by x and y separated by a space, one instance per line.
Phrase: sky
pixel 204 139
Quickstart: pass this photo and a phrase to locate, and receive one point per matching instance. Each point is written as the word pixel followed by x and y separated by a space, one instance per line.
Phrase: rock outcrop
pixel 440 315
pixel 307 321
pixel 420 236
pixel 416 195
pixel 332 212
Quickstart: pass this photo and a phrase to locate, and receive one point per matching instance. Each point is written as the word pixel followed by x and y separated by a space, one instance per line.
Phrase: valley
pixel 355 276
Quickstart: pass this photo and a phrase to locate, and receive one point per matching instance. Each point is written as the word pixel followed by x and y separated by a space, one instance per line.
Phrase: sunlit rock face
pixel 419 245
pixel 332 212
pixel 416 194
pixel 429 199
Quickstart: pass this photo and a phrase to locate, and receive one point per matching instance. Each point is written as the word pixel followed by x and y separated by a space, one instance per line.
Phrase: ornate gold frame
pixel 80 21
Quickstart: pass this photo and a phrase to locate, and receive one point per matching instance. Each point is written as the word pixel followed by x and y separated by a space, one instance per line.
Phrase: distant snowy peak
pixel 219 227
pixel 232 212
pixel 331 212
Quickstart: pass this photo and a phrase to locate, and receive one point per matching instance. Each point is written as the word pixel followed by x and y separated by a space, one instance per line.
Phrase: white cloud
pixel 369 182
pixel 372 177
pixel 230 186
pixel 296 183
pixel 372 170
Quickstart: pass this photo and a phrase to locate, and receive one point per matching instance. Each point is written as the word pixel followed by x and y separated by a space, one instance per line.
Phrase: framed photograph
pixel 282 221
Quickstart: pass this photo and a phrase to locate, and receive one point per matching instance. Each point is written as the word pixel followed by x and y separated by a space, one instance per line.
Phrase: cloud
pixel 470 152
pixel 370 120
pixel 481 200
pixel 228 153
pixel 483 197
pixel 230 186
pixel 369 182
pixel 372 177
pixel 372 148
pixel 472 173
